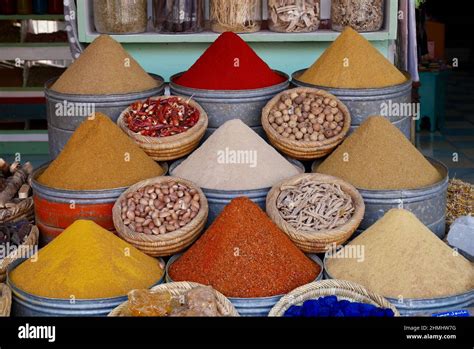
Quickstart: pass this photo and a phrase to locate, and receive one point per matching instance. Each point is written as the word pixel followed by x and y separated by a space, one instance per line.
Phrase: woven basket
pixel 172 147
pixel 343 290
pixel 304 150
pixel 165 244
pixel 5 300
pixel 224 306
pixel 319 241
pixel 23 210
pixel 22 251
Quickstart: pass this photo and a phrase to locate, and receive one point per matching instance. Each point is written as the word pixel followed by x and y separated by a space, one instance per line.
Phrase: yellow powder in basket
pixel 86 262
pixel 403 258
pixel 352 62
pixel 378 156
pixel 99 156
pixel 104 68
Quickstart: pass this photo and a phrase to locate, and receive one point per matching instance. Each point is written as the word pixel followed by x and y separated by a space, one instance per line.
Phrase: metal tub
pixel 253 306
pixel 363 103
pixel 56 209
pixel 27 305
pixel 218 199
pixel 61 127
pixel 425 307
pixel 428 203
pixel 225 105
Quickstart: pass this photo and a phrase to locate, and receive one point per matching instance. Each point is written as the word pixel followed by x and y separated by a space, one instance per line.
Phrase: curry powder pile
pixel 352 62
pixel 99 156
pixel 104 68
pixel 402 258
pixel 378 156
pixel 244 254
pixel 86 262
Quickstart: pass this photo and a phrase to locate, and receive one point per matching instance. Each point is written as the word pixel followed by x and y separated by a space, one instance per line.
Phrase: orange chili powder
pixel 244 254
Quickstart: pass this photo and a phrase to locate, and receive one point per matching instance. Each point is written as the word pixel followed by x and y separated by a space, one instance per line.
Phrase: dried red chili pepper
pixel 161 117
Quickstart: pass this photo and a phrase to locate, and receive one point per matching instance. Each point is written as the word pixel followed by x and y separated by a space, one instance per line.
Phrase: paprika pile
pixel 244 254
pixel 229 64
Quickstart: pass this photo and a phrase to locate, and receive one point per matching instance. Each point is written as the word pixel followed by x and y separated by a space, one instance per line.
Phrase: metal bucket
pixel 61 127
pixel 225 105
pixel 428 203
pixel 27 305
pixel 363 103
pixel 425 307
pixel 253 306
pixel 218 199
pixel 56 209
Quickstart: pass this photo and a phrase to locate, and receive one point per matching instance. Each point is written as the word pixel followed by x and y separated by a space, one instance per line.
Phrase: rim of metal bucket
pixel 312 256
pixel 60 302
pixel 250 193
pixel 399 193
pixel 66 194
pixel 419 303
pixel 354 92
pixel 228 94
pixel 106 98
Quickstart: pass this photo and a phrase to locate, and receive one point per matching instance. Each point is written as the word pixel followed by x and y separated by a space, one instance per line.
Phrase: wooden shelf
pixel 35 51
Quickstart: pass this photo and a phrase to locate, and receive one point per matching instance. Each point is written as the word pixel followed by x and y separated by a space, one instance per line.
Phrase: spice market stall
pixel 230 224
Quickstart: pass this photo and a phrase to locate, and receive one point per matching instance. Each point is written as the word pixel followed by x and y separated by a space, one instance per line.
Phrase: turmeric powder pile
pixel 99 156
pixel 352 62
pixel 86 262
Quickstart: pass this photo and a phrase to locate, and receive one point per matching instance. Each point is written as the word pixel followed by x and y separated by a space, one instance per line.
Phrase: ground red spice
pixel 229 64
pixel 244 254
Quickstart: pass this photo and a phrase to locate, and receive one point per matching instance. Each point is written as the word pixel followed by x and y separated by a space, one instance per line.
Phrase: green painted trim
pixel 393 19
pixel 47 17
pixel 36 148
pixel 33 44
pixel 12 132
pixel 21 89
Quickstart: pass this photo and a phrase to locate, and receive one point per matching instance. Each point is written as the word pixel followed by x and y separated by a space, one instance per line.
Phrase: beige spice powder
pixel 403 258
pixel 104 68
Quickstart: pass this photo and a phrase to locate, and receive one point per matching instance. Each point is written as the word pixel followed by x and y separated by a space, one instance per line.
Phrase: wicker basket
pixel 319 241
pixel 22 251
pixel 24 209
pixel 344 290
pixel 172 147
pixel 165 244
pixel 5 300
pixel 304 150
pixel 224 306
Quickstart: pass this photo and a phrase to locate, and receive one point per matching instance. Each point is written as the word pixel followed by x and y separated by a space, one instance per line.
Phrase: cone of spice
pixel 234 157
pixel 402 258
pixel 99 156
pixel 229 64
pixel 377 156
pixel 104 68
pixel 86 262
pixel 244 254
pixel 352 62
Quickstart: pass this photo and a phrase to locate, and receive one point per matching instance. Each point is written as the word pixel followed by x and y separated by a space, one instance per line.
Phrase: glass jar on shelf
pixel 56 7
pixel 243 16
pixel 120 16
pixel 294 16
pixel 361 15
pixel 178 16
pixel 24 7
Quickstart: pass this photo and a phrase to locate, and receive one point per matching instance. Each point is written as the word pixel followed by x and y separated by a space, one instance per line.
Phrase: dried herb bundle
pixel 243 16
pixel 361 15
pixel 460 200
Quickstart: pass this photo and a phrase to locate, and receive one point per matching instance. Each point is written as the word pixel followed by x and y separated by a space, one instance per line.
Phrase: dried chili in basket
pixel 161 117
